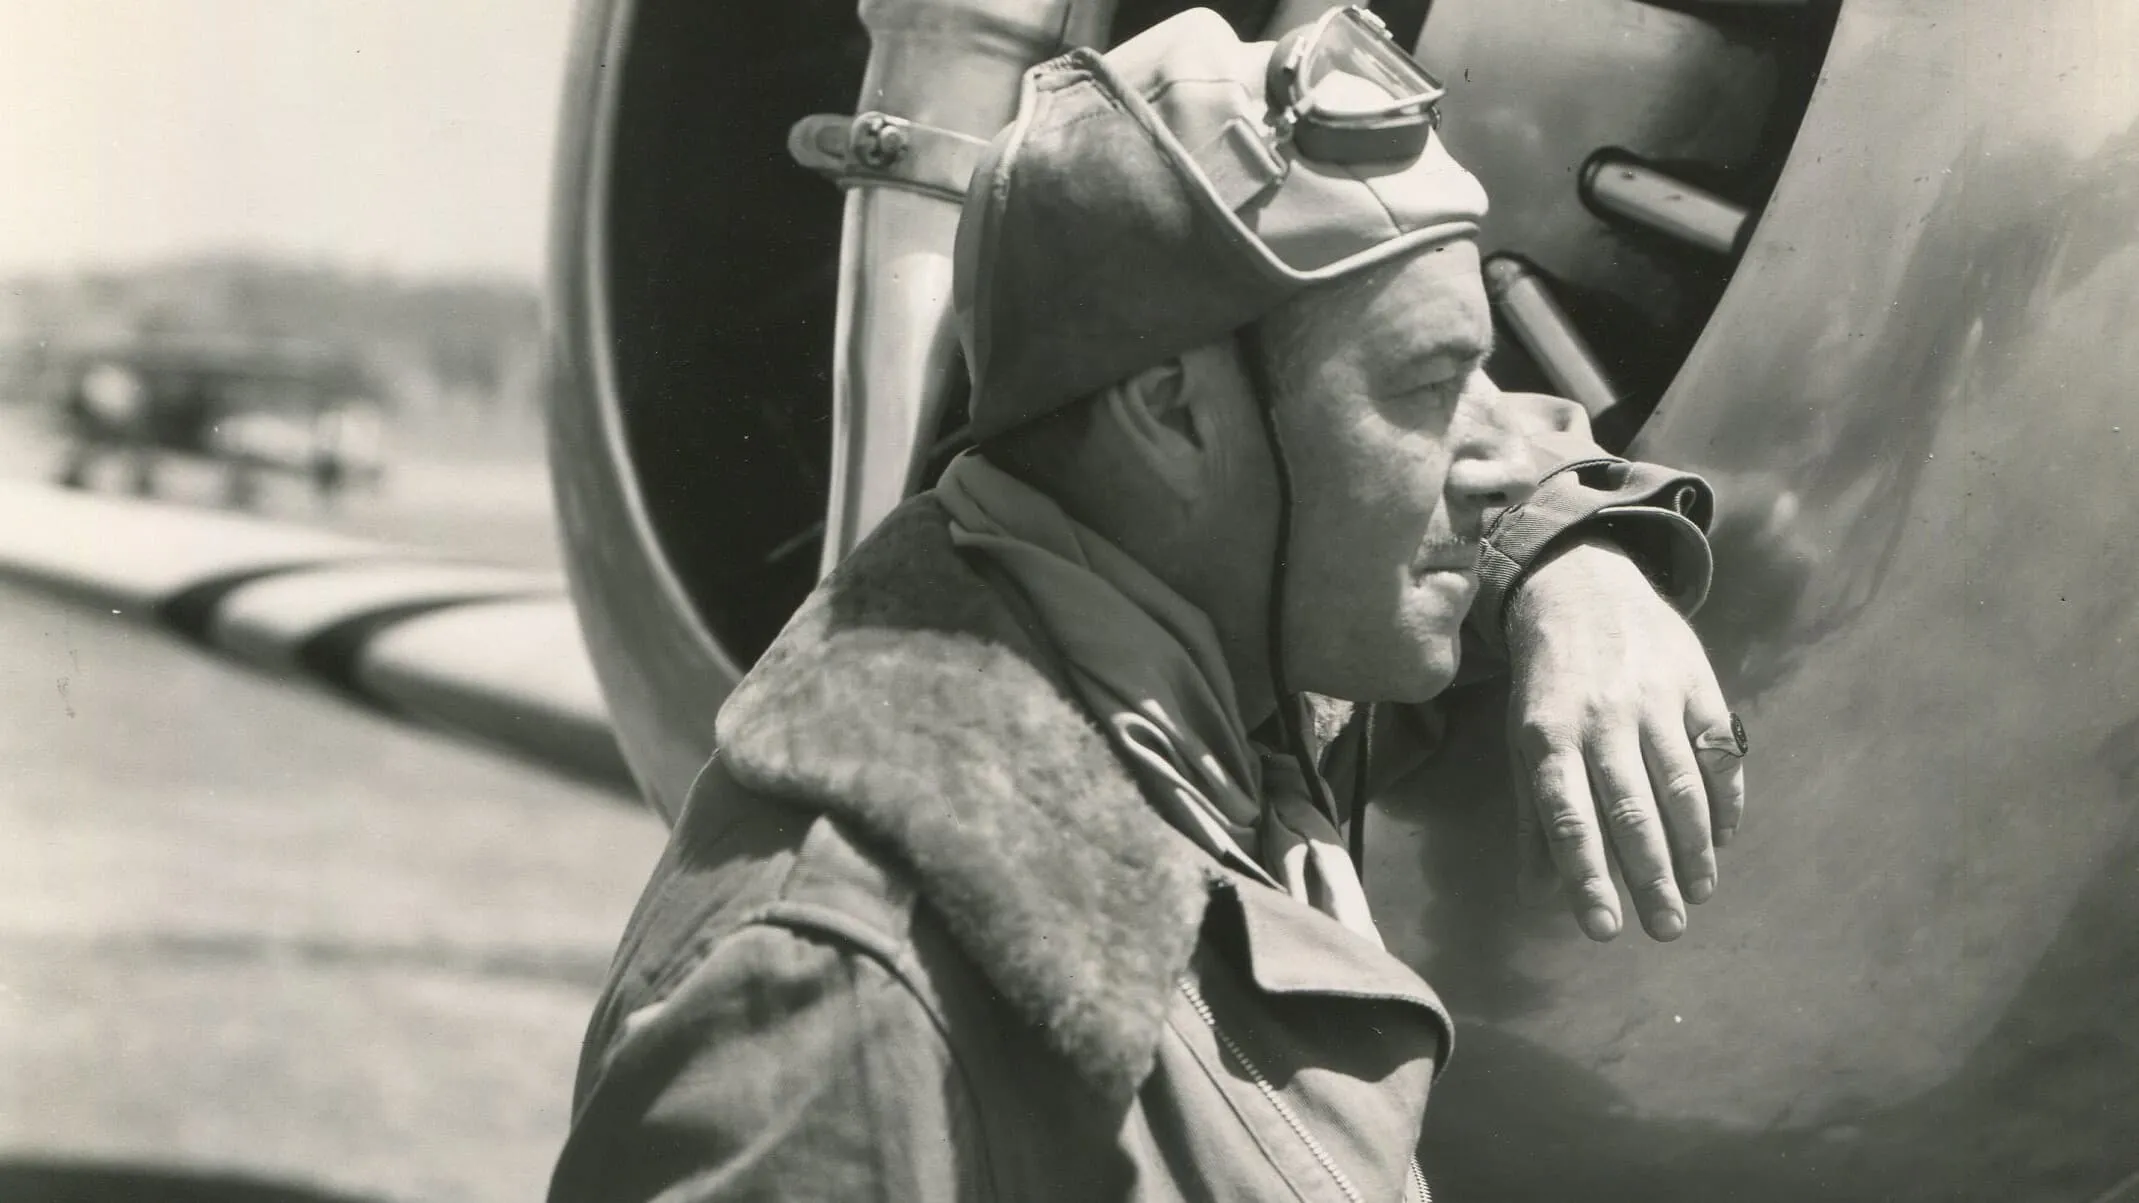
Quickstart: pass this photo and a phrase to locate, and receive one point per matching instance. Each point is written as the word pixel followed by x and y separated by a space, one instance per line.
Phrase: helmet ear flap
pixel 1292 713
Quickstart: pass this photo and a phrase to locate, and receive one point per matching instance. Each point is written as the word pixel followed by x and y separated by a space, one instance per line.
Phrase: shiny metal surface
pixel 1917 401
pixel 1625 187
pixel 878 148
pixel 662 672
pixel 952 64
pixel 2123 1192
pixel 1524 303
pixel 283 622
pixel 1538 86
pixel 895 371
pixel 491 670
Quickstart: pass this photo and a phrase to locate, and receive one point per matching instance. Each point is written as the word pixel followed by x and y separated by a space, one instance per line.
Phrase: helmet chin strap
pixel 1290 711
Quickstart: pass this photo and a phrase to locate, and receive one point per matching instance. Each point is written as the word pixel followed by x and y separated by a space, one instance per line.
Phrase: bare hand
pixel 1610 690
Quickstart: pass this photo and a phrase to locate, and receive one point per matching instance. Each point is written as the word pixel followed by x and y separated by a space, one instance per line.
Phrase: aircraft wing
pixel 483 653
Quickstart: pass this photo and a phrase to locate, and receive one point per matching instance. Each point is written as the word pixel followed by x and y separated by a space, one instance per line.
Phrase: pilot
pixel 1014 876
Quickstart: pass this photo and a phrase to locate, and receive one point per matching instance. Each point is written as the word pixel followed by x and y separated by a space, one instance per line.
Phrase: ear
pixel 1152 417
pixel 1168 417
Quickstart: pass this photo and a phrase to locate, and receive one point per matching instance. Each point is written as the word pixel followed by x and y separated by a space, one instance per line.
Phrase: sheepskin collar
pixel 908 699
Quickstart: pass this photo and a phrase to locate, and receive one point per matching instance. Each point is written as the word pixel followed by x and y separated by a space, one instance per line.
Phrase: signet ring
pixel 1730 741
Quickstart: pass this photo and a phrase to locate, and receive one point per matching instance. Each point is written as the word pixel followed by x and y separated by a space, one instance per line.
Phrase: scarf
pixel 1148 667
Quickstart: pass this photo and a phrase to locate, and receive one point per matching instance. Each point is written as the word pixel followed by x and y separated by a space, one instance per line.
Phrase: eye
pixel 1442 380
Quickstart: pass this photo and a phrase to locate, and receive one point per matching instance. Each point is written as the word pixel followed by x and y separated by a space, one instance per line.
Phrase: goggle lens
pixel 1348 94
pixel 1354 70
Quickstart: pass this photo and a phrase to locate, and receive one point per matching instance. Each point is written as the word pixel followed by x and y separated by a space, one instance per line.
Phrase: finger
pixel 1621 779
pixel 1535 881
pixel 1725 778
pixel 1682 796
pixel 1708 727
pixel 1560 790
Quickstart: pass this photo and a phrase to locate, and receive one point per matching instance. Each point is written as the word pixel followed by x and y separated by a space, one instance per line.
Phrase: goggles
pixel 1343 91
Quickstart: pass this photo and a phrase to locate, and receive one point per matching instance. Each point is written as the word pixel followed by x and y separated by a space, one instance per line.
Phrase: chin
pixel 1431 652
pixel 1436 670
pixel 1416 670
pixel 1407 652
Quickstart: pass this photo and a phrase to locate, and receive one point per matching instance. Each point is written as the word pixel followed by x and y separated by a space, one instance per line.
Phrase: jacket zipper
pixel 1194 994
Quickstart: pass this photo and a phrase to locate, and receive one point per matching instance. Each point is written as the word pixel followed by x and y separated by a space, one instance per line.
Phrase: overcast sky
pixel 408 135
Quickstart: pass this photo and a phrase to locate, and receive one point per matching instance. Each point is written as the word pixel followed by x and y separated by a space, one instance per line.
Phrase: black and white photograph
pixel 690 601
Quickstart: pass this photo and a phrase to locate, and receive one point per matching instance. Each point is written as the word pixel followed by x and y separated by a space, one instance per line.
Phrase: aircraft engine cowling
pixel 1870 266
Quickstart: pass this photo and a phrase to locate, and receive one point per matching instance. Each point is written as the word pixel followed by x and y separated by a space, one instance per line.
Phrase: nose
pixel 1493 465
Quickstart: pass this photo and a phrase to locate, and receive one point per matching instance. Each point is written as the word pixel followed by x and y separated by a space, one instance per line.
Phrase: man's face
pixel 1397 451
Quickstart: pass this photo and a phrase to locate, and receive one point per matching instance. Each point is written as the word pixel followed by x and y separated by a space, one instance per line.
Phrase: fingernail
pixel 1599 923
pixel 1668 926
pixel 1700 889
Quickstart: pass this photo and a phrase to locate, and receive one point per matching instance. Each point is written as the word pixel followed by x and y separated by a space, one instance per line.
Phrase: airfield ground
pixel 248 931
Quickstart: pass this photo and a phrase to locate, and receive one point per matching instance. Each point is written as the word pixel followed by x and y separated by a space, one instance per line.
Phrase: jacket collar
pixel 909 699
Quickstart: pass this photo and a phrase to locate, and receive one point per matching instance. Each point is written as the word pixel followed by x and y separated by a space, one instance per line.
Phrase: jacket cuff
pixel 1659 515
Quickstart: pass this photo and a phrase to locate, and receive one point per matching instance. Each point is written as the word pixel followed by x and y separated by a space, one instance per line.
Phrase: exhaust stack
pixel 942 79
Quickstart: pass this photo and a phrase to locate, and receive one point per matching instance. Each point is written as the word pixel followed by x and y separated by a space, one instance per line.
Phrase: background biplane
pixel 249 405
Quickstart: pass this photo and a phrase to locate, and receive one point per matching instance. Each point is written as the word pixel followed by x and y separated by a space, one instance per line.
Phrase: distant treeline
pixel 434 343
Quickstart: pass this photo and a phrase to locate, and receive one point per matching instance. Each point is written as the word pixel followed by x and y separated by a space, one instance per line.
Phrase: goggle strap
pixel 1239 164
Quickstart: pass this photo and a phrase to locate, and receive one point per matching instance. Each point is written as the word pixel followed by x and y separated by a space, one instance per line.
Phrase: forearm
pixel 1655 515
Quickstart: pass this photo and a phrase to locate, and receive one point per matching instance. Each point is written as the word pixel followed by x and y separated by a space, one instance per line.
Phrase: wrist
pixel 1568 573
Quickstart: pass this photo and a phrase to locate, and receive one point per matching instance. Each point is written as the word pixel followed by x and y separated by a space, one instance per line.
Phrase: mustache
pixel 1451 551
